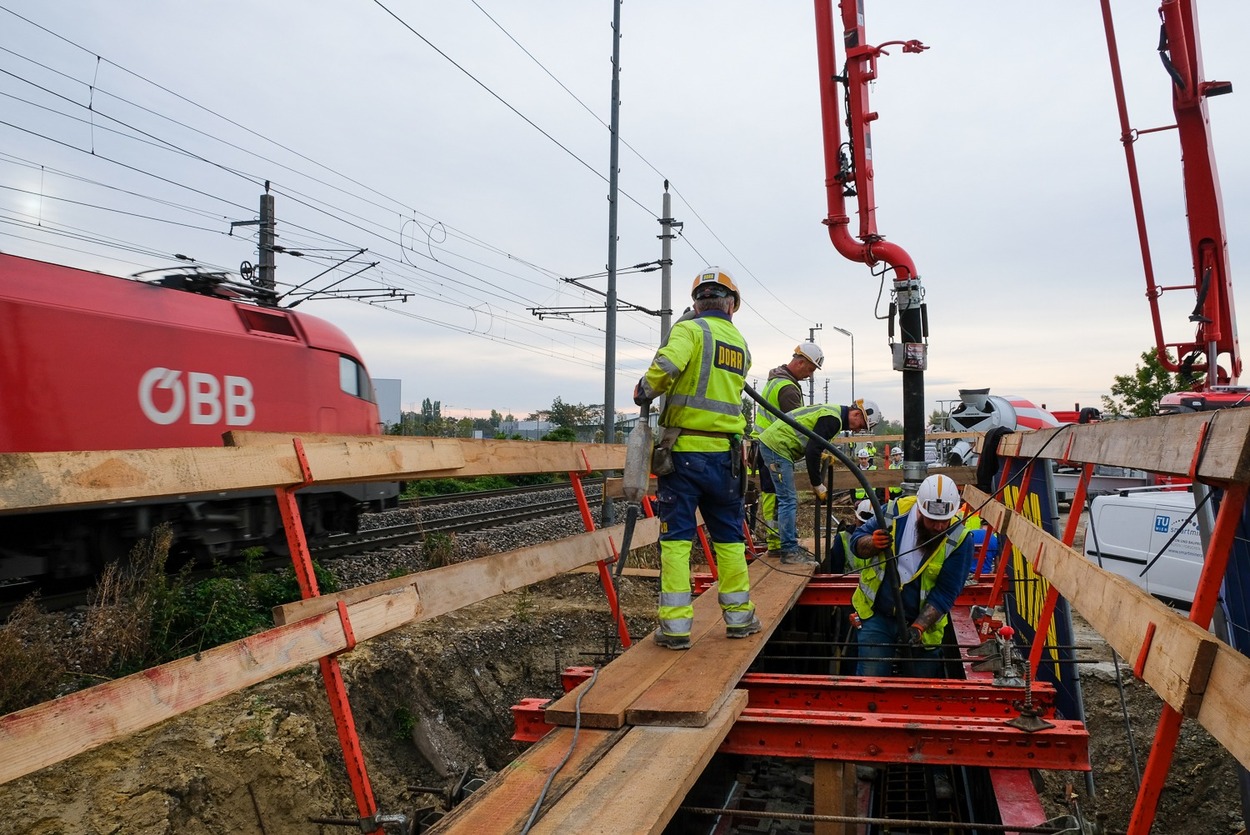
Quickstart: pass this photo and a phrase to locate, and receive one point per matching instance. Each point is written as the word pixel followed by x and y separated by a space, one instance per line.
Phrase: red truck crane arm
pixel 1212 355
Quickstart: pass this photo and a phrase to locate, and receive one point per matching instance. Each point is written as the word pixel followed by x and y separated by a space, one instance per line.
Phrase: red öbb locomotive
pixel 93 362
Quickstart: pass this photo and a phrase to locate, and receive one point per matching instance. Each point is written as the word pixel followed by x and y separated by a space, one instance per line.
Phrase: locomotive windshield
pixel 354 380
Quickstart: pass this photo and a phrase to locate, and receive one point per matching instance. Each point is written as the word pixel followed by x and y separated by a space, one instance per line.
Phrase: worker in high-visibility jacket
pixel 782 447
pixel 896 463
pixel 865 460
pixel 782 392
pixel 701 370
pixel 926 537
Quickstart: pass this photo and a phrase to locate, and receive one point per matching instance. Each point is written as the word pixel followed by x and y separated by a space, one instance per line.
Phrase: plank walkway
pixel 650 722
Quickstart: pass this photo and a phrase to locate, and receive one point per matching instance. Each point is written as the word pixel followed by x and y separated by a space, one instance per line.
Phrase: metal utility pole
pixel 811 381
pixel 609 358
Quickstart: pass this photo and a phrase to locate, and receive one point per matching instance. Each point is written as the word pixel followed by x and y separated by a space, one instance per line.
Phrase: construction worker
pixel 864 459
pixel 896 463
pixel 932 552
pixel 840 544
pixel 701 369
pixel 782 446
pixel 782 391
pixel 925 536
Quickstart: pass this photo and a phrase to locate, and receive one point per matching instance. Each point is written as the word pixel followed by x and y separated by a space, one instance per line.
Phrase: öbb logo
pixel 201 397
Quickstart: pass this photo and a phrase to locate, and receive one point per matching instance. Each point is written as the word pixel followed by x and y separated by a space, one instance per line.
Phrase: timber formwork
pixel 1197 676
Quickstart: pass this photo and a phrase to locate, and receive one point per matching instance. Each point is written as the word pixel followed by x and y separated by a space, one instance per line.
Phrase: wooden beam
pixel 406 458
pixel 453 586
pixel 1185 664
pixel 614 488
pixel 930 436
pixel 691 691
pixel 308 630
pixel 630 674
pixel 505 803
pixel 69 479
pixel 639 784
pixel 833 794
pixel 1165 444
pixel 48 733
pixel 845 480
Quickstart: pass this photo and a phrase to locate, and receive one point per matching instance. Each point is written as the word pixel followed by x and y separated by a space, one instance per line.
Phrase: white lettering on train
pixel 203 398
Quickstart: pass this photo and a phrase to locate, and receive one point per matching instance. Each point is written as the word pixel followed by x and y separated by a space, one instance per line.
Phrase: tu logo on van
pixel 1163 523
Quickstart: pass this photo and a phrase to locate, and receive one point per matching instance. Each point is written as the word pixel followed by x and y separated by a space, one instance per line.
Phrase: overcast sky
pixel 466 149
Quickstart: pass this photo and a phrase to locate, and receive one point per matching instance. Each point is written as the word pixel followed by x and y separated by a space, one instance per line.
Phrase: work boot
pixel 671 641
pixel 745 629
pixel 798 556
pixel 942 788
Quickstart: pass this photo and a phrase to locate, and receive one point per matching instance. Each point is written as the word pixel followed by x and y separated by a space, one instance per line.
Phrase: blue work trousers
pixel 879 660
pixel 782 471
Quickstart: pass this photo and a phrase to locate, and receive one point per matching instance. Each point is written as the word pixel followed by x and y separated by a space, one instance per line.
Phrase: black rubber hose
pixel 891 567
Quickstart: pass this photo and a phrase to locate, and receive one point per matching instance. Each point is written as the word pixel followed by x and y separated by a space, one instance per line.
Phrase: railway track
pixel 402 534
pixel 546 503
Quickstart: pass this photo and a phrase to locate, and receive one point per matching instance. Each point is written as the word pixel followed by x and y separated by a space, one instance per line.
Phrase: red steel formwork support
pixel 938 738
pixel 1215 563
pixel 331 673
pixel 1014 792
pixel 605 573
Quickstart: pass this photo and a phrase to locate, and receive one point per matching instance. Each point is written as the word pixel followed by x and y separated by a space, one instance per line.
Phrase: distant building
pixel 388 392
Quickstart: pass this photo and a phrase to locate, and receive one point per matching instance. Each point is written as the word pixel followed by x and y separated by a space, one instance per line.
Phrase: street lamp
pixel 845 332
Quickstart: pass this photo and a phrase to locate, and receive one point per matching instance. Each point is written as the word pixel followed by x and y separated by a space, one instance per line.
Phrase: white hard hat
pixel 713 282
pixel 863 453
pixel 872 412
pixel 811 352
pixel 898 450
pixel 864 510
pixel 938 497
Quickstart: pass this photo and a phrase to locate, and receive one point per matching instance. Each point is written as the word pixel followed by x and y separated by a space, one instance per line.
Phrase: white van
pixel 1126 530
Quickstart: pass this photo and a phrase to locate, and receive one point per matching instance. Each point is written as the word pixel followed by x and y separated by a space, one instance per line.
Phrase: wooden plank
pixel 630 674
pixel 845 480
pixel 505 803
pixel 48 733
pixel 385 457
pixel 454 586
pixel 1164 444
pixel 833 794
pixel 638 786
pixel 881 439
pixel 614 488
pixel 690 692
pixel 1187 666
pixel 69 479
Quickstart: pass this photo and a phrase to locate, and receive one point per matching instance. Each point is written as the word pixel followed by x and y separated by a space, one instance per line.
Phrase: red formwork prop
pixel 331 673
pixel 1215 564
pixel 605 573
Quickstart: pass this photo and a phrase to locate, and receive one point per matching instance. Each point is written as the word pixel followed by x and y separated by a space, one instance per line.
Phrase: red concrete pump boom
pixel 848 173
pixel 1212 355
